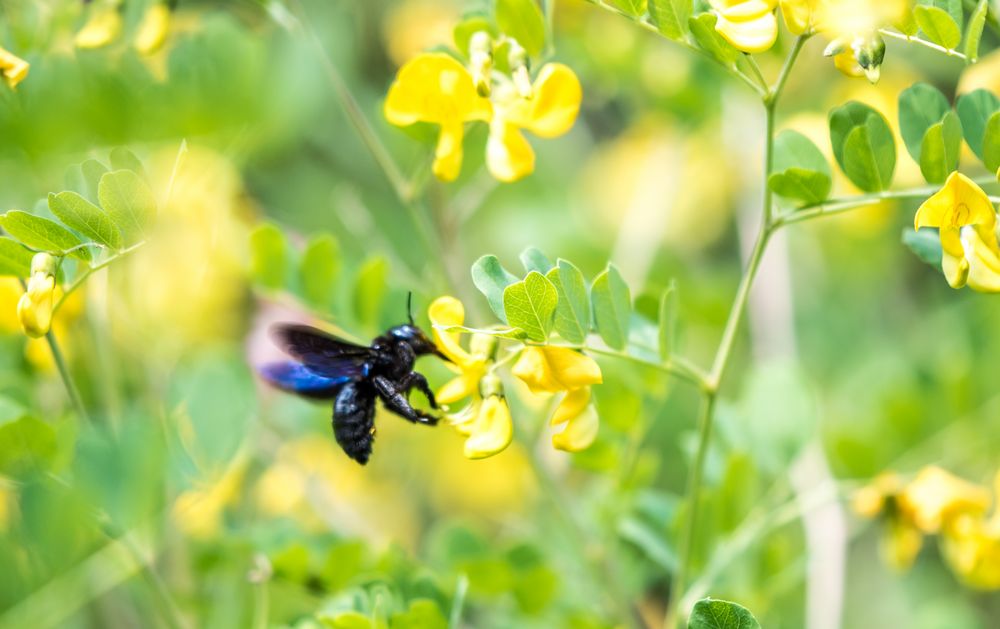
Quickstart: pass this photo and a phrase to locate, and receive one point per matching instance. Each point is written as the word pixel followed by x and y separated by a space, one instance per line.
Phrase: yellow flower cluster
pixel 486 420
pixel 34 309
pixel 436 88
pixel 938 503
pixel 105 26
pixel 966 220
pixel 13 69
pixel 851 25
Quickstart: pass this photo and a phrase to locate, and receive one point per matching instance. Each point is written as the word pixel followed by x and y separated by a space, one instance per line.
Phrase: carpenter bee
pixel 353 376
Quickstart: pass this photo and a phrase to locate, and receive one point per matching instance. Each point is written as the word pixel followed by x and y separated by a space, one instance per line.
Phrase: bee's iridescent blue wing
pixel 323 354
pixel 297 378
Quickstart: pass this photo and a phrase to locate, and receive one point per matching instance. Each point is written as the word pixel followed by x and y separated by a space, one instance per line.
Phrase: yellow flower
pixel 749 25
pixel 152 29
pixel 198 512
pixel 580 417
pixel 487 424
pixel 548 110
pixel 34 309
pixel 801 16
pixel 436 88
pixel 470 366
pixel 901 540
pixel 972 550
pixel 13 69
pixel 552 369
pixel 966 221
pixel 935 498
pixel 101 29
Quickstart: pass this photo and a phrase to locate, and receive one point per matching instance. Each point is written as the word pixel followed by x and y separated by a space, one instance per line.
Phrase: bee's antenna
pixel 409 306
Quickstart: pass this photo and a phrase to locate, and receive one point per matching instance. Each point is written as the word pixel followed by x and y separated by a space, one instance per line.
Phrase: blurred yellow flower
pixel 580 419
pixel 972 550
pixel 153 29
pixel 801 16
pixel 103 27
pixel 8 502
pixel 935 498
pixel 34 309
pixel 198 512
pixel 850 18
pixel 13 69
pixel 548 111
pixel 966 219
pixel 435 88
pixel 445 312
pixel 901 540
pixel 749 25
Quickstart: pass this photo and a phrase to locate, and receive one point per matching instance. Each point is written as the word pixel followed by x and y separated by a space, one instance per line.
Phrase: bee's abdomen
pixel 354 420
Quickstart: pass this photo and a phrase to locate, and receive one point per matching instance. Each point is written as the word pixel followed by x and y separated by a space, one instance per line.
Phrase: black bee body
pixel 354 377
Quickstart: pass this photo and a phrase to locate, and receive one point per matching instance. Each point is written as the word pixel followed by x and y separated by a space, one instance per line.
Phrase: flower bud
pixel 518 59
pixel 857 56
pixel 152 29
pixel 481 61
pixel 13 69
pixel 34 309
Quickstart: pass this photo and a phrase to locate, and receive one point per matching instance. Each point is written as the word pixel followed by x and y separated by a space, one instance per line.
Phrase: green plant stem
pixel 71 390
pixel 168 608
pixel 922 42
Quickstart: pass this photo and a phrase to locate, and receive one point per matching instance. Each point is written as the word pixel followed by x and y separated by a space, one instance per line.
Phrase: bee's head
pixel 416 339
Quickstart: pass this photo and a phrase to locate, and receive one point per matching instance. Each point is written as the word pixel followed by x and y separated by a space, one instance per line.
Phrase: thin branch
pixel 922 42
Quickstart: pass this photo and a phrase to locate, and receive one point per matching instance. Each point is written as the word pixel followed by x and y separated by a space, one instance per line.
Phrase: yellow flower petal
pixel 551 369
pixel 870 500
pixel 900 544
pixel 579 433
pixel 800 15
pixel 555 103
pixel 509 157
pixel 848 65
pixel 152 29
pixel 749 26
pixel 34 309
pixel 935 497
pixel 13 69
pixel 459 388
pixel 447 311
pixel 101 29
pixel 983 260
pixel 958 203
pixel 972 550
pixel 436 88
pixel 492 431
pixel 571 405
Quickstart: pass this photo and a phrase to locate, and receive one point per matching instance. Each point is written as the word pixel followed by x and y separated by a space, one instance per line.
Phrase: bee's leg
pixel 414 380
pixel 395 400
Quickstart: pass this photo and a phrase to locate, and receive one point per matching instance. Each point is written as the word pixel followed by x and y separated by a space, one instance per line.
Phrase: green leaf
pixel 703 30
pixel 86 218
pixel 268 256
pixel 573 309
pixel 991 143
pixel 632 7
pixel 489 276
pixel 974 31
pixel 319 268
pixel 671 16
pixel 952 7
pixel 530 305
pixel 92 170
pixel 42 234
pixel 14 258
pixel 925 244
pixel 668 321
pixel 906 24
pixel 714 614
pixel 974 111
pixel 423 613
pixel 920 107
pixel 612 307
pixel 369 290
pixel 938 26
pixel 940 149
pixel 863 145
pixel 124 159
pixel 800 170
pixel 507 333
pixel 128 200
pixel 27 445
pixel 347 620
pixel 534 260
pixel 522 20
